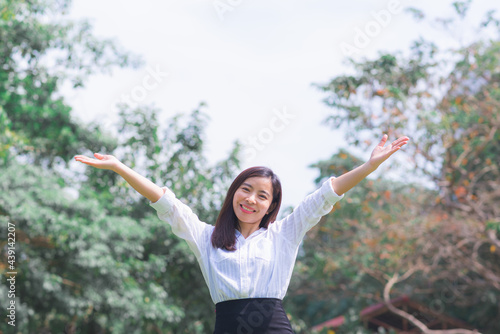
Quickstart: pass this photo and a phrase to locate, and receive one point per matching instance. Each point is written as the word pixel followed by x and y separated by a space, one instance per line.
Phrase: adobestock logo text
pixel 364 36
pixel 254 144
pixel 139 92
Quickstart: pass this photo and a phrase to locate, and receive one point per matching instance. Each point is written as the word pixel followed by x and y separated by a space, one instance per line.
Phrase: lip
pixel 242 208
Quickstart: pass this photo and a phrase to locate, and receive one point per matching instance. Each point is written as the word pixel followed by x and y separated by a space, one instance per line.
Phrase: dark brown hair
pixel 223 235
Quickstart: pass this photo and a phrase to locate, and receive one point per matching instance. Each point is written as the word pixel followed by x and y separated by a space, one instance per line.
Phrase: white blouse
pixel 262 265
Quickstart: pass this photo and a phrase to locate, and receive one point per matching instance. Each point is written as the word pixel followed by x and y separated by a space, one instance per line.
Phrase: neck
pixel 247 229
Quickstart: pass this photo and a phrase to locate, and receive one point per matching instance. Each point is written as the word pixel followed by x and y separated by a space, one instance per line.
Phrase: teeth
pixel 247 208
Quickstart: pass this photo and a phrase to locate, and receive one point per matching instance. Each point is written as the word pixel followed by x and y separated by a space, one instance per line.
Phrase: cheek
pixel 236 198
pixel 236 195
pixel 266 206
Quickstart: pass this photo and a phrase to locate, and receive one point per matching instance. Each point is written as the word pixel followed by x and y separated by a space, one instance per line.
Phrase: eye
pixel 263 196
pixel 245 188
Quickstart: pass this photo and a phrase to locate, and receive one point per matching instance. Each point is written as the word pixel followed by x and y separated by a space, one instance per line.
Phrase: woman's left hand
pixel 381 153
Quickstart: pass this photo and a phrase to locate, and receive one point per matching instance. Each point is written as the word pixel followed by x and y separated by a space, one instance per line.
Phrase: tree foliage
pixel 101 263
pixel 41 51
pixel 90 256
pixel 98 261
pixel 436 239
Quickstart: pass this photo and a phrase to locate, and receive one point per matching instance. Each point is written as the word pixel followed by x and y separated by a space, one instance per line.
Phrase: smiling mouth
pixel 246 209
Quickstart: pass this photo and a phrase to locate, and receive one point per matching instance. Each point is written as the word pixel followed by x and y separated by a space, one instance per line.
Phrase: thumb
pixel 98 156
pixel 383 140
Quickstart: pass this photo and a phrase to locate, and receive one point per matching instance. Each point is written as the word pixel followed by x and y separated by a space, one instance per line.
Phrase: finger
pixel 399 145
pixel 98 156
pixel 86 160
pixel 404 138
pixel 400 141
pixel 383 140
pixel 81 157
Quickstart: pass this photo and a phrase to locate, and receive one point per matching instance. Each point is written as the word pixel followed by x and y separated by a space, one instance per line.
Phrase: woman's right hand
pixel 142 185
pixel 101 161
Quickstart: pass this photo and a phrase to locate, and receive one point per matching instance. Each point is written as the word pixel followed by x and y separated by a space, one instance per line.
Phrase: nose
pixel 251 199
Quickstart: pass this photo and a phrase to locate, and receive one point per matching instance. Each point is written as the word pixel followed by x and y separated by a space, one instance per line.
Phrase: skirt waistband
pixel 251 316
pixel 265 305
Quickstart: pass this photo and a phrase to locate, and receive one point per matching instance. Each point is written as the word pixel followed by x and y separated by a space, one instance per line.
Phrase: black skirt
pixel 251 316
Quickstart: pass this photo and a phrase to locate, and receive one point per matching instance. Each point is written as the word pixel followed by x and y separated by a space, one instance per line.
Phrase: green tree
pixel 89 265
pixel 96 261
pixel 438 241
pixel 40 50
pixel 367 233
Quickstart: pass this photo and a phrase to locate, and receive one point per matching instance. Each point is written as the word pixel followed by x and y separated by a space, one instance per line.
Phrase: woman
pixel 247 258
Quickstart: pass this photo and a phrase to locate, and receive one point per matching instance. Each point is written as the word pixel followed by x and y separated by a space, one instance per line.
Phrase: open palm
pixel 381 152
pixel 101 161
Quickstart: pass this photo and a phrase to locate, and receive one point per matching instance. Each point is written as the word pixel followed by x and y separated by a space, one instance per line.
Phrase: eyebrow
pixel 250 186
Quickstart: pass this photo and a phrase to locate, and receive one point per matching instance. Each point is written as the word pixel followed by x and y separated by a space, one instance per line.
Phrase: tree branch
pixel 395 279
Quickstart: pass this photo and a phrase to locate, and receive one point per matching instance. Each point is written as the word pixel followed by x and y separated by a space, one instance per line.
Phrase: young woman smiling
pixel 247 258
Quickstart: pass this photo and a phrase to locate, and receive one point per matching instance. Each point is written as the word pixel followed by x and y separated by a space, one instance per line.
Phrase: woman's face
pixel 252 200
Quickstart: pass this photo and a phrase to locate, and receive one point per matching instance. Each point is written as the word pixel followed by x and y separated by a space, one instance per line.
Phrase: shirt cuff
pixel 330 195
pixel 165 202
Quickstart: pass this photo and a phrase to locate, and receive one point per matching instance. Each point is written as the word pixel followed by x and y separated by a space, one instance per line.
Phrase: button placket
pixel 245 277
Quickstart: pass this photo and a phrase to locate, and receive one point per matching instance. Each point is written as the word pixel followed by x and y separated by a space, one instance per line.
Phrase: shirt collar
pixel 240 237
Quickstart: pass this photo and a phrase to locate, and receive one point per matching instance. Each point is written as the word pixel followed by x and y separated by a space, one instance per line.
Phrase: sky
pixel 254 64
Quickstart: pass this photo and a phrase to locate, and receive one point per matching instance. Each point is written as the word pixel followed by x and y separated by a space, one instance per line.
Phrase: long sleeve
pixel 185 224
pixel 262 264
pixel 307 214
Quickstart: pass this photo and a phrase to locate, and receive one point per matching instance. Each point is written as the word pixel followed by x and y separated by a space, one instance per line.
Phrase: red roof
pixel 339 321
pixel 332 323
pixel 379 315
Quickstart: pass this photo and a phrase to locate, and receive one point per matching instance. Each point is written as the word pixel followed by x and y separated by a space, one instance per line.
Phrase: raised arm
pixel 381 153
pixel 142 185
